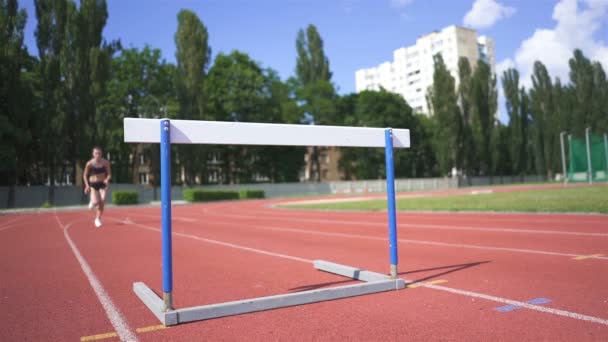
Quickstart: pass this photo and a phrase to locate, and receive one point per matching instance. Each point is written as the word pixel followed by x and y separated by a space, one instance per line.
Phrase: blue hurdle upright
pixel 211 132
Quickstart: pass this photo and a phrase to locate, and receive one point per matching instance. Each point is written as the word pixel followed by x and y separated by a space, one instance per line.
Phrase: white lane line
pixel 539 308
pixel 217 242
pixel 13 226
pixel 10 222
pixel 422 225
pixel 420 242
pixel 124 331
pixel 182 219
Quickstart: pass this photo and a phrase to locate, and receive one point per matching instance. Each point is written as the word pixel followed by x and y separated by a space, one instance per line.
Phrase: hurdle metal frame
pixel 212 132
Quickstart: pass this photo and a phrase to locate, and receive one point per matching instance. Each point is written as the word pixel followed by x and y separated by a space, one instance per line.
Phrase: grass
pixel 587 199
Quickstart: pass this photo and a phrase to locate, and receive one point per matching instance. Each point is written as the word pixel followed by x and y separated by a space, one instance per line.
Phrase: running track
pixel 63 280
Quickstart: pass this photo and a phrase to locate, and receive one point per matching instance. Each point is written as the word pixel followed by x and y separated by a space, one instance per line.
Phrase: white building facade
pixel 410 73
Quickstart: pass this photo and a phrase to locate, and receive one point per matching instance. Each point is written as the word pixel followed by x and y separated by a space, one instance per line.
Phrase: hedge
pixel 196 195
pixel 247 194
pixel 124 197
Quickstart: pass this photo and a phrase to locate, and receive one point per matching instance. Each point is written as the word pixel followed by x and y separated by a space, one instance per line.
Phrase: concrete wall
pixel 35 196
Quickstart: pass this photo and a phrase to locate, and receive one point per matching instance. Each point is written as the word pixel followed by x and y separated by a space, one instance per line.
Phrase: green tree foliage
pixel 542 109
pixel 599 106
pixel 581 77
pixel 444 107
pixel 384 109
pixel 17 101
pixel 76 91
pixel 589 92
pixel 50 38
pixel 484 105
pixel 86 62
pixel 312 64
pixel 517 139
pixel 238 89
pixel 192 55
pixel 142 85
pixel 467 146
pixel 501 155
pixel 315 89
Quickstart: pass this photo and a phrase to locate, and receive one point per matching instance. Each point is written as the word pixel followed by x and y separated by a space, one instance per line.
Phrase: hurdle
pixel 167 132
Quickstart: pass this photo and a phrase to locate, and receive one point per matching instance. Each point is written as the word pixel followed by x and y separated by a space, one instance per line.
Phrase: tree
pixel 444 107
pixel 599 105
pixel 467 145
pixel 16 97
pixel 380 109
pixel 518 121
pixel 501 154
pixel 192 55
pixel 542 109
pixel 50 38
pixel 85 68
pixel 581 78
pixel 141 86
pixel 312 64
pixel 484 105
pixel 315 88
pixel 238 89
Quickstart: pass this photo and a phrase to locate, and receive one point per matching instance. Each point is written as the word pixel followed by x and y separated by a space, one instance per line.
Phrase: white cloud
pixel 575 27
pixel 486 13
pixel 400 3
pixel 500 68
pixel 504 65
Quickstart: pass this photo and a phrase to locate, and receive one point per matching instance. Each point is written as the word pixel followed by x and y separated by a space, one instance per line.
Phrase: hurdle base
pixel 373 283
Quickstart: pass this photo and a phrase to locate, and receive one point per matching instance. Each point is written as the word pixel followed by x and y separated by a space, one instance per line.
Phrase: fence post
pixel 589 165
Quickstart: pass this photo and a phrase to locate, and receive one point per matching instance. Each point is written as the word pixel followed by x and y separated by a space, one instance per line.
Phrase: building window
pixel 143 178
pixel 142 160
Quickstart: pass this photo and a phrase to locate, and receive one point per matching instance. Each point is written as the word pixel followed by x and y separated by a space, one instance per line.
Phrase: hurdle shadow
pixel 445 270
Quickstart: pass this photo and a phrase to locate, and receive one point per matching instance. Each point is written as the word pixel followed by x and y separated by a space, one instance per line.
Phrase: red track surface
pixel 45 295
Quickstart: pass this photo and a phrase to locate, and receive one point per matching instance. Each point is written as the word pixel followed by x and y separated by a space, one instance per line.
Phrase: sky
pixel 363 33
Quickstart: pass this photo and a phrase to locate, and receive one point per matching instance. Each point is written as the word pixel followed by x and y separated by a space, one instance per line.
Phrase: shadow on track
pixel 444 270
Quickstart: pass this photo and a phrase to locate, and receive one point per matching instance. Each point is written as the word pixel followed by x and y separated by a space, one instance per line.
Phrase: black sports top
pixel 95 170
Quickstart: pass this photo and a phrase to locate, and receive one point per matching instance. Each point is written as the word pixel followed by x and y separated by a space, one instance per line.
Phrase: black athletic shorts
pixel 98 185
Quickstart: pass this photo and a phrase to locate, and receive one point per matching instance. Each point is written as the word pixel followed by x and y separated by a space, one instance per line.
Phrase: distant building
pixel 410 73
pixel 328 169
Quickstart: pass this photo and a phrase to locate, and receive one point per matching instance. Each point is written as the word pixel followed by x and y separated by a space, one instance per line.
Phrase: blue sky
pixel 357 33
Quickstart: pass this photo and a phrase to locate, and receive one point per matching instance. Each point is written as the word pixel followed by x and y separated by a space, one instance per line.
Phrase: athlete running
pixel 97 175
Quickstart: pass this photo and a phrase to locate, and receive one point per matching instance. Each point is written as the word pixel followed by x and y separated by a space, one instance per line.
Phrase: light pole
pixel 589 167
pixel 606 153
pixel 561 140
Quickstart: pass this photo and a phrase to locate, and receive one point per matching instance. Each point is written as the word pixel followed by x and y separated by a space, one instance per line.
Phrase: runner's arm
pixel 85 174
pixel 108 172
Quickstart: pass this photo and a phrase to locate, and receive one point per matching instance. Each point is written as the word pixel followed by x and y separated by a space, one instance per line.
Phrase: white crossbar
pixel 241 133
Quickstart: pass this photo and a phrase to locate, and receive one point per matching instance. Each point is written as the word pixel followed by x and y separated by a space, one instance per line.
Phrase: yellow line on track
pixel 99 337
pixel 113 334
pixel 432 282
pixel 151 328
pixel 583 257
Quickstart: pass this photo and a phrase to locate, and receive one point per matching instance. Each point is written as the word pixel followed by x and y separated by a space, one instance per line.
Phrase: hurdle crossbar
pixel 239 133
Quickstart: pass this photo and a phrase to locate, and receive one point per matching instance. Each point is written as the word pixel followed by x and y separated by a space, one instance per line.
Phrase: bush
pixel 124 197
pixel 247 194
pixel 196 195
pixel 46 204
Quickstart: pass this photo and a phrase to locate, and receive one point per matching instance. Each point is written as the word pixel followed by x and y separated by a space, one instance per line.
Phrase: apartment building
pixel 410 73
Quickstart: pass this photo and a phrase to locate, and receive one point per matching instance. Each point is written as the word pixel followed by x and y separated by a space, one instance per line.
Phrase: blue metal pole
pixel 165 198
pixel 390 194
